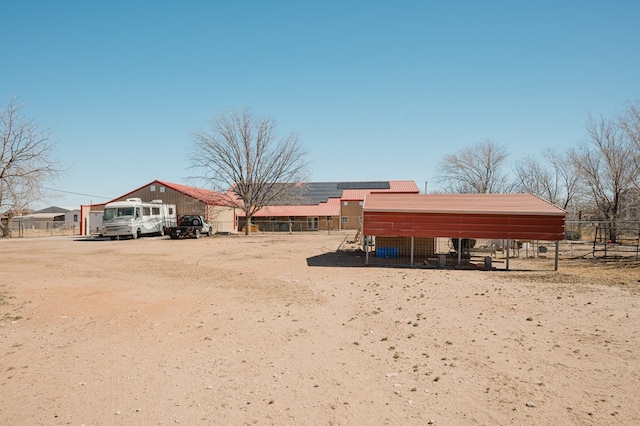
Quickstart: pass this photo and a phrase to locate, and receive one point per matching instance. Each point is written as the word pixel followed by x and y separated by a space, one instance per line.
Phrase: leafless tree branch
pixel 26 159
pixel 476 169
pixel 630 124
pixel 606 162
pixel 554 178
pixel 241 156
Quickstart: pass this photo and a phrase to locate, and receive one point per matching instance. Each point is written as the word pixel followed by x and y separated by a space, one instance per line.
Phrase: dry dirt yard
pixel 283 329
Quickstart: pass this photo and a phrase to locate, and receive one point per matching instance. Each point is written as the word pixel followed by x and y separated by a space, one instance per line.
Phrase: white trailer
pixel 95 223
pixel 134 218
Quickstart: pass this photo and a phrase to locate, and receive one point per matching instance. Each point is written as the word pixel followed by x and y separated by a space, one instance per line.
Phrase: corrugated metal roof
pixel 399 186
pixel 204 195
pixel 402 186
pixel 311 198
pixel 53 209
pixel 461 203
pixel 38 216
pixel 330 208
pixel 323 198
pixel 505 216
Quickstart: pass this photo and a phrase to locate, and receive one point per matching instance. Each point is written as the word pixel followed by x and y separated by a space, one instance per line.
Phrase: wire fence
pixel 445 252
pixel 308 224
pixel 295 225
pixel 582 237
pixel 35 229
pixel 606 239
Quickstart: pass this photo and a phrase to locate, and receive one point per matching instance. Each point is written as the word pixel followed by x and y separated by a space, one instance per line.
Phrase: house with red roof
pixel 325 206
pixel 313 205
pixel 188 200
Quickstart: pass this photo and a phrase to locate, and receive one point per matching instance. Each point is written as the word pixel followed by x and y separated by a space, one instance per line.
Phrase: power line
pixel 77 193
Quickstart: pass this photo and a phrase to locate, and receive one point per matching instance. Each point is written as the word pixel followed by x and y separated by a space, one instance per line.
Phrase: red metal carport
pixel 494 216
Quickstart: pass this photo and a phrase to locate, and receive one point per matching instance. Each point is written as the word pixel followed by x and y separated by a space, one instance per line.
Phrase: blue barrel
pixel 387 252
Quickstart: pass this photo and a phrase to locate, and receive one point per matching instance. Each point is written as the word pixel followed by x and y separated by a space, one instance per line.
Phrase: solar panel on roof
pixel 319 192
pixel 364 185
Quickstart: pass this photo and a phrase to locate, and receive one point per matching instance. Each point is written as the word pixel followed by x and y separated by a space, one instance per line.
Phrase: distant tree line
pixel 244 158
pixel 598 177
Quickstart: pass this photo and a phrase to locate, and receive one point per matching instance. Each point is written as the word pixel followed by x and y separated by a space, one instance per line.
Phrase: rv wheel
pixel 136 234
pixel 197 233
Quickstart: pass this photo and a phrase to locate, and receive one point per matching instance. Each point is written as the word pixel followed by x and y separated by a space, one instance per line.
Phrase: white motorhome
pixel 134 218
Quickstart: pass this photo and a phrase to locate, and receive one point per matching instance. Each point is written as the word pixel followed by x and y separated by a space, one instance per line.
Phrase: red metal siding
pixel 502 226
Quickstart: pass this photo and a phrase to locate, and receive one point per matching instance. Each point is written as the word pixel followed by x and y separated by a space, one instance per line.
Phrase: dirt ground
pixel 285 329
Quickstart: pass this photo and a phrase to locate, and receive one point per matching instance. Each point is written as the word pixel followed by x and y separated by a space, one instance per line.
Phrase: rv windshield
pixel 117 212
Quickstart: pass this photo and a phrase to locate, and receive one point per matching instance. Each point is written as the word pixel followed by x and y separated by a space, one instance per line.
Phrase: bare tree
pixel 629 121
pixel 241 156
pixel 26 161
pixel 606 161
pixel 476 169
pixel 554 179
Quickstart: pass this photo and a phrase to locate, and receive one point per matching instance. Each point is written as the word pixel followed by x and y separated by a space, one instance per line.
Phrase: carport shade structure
pixel 493 216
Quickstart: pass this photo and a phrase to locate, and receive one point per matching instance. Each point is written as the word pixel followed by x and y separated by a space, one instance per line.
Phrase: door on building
pixel 312 223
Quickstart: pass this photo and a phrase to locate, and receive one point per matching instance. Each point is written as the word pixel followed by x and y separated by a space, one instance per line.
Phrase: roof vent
pixel 135 200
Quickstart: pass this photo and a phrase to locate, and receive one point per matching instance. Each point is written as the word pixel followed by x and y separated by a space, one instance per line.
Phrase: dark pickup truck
pixel 191 226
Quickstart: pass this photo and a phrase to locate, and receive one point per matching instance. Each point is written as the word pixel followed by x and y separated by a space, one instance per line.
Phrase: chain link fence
pixel 582 237
pixel 606 239
pixel 40 228
pixel 445 251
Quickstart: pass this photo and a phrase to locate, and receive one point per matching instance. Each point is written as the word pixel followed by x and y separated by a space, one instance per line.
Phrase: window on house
pixel 360 203
pixel 152 188
pixel 345 219
pixel 162 188
pixel 312 223
pixel 346 203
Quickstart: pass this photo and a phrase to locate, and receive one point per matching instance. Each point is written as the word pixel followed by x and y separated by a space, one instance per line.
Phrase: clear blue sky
pixel 376 90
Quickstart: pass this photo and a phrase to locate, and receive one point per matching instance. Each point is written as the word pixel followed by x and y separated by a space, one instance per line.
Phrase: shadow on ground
pixel 338 259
